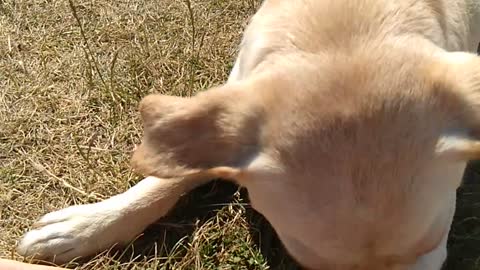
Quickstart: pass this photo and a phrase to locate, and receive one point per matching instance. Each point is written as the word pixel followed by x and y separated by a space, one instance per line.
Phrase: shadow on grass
pixel 464 240
pixel 205 202
pixel 160 240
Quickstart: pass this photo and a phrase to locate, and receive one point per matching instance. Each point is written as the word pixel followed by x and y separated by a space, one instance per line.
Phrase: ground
pixel 71 76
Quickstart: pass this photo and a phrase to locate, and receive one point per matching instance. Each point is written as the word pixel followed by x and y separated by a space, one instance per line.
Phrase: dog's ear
pixel 458 148
pixel 213 133
pixel 458 74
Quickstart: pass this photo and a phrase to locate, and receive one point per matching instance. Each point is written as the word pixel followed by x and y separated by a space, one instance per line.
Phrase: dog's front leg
pixel 83 230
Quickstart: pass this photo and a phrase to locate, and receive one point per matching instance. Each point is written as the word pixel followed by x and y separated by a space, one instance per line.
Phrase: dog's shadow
pixel 203 203
pixel 464 240
pixel 191 212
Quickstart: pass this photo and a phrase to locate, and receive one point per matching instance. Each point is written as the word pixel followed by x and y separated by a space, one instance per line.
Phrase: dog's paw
pixel 77 231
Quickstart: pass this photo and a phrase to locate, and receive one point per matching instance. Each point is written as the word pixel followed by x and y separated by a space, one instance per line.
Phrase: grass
pixel 71 77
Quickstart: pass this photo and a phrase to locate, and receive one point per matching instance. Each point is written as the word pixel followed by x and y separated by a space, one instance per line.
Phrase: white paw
pixel 78 231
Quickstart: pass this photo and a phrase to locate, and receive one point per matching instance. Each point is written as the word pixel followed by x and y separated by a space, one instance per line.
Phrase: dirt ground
pixel 71 77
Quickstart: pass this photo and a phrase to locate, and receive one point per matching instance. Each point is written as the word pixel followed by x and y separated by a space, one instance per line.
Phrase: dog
pixel 349 122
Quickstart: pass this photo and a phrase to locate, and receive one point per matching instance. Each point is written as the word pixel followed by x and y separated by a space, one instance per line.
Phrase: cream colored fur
pixel 349 122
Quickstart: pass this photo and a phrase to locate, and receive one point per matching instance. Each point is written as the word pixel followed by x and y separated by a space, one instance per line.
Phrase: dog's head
pixel 310 106
pixel 328 144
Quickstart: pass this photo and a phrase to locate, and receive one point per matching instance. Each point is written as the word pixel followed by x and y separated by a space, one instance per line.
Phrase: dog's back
pixel 332 25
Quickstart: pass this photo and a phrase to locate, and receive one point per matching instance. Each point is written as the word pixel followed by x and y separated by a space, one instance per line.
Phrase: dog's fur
pixel 349 122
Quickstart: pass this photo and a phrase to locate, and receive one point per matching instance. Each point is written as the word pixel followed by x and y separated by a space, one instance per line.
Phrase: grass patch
pixel 70 83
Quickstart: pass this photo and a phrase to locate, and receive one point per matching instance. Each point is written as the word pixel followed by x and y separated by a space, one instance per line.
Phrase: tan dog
pixel 348 121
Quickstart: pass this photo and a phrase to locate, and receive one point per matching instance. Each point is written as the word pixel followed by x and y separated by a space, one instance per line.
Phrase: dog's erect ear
pixel 459 74
pixel 213 133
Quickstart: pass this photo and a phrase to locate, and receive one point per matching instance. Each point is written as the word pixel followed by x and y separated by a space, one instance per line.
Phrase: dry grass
pixel 69 92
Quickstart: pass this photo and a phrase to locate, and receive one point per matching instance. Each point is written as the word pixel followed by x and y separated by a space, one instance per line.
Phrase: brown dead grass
pixel 69 89
pixel 68 107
